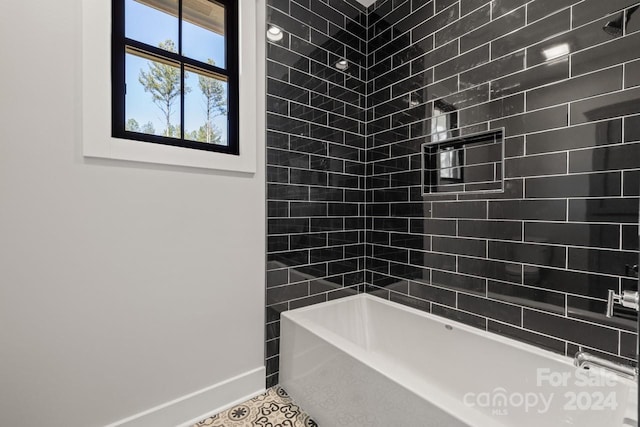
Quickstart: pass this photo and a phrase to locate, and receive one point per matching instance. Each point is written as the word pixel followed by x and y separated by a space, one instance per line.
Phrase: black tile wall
pixel 535 262
pixel 316 146
pixel 346 212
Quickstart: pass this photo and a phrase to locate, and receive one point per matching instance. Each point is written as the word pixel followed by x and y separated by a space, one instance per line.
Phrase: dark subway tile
pixel 531 33
pixel 491 309
pixel 566 43
pixel 632 74
pixel 277 174
pixel 500 230
pixel 530 78
pixel 527 296
pixel 460 246
pixel 501 7
pixel 307 49
pixel 602 261
pixel 410 301
pixel 576 88
pixel 632 128
pixel 326 224
pixel 433 24
pixel 631 183
pixel 550 210
pixel 442 227
pixel 413 19
pixel 495 69
pixel 459 282
pixel 621 210
pixel 572 282
pixel 583 136
pixel 287 192
pixel 285 293
pixel 462 63
pixel 539 9
pixel 433 260
pixel 498 270
pixel 497 28
pixel 616 157
pixel 470 209
pixel 431 293
pixel 410 241
pixel 630 237
pixel 550 164
pixel 311 19
pixel 277 209
pixel 492 110
pixel 288 225
pixel 594 235
pixel 277 277
pixel 460 27
pixel 572 330
pixel 529 337
pixel 535 121
pixel 285 90
pixel 287 57
pixel 306 241
pixel 326 254
pixel 536 254
pixel 606 106
pixel 583 185
pixel 628 345
pixel 308 209
pixel 615 52
pixel 321 194
pixel 467 6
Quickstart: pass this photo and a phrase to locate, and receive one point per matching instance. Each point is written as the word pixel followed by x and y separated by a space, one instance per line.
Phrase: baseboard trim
pixel 192 407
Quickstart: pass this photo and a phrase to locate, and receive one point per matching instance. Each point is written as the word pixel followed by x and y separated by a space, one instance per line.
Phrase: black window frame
pixel 119 43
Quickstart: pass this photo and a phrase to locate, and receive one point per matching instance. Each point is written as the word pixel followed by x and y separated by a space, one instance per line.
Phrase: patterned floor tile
pixel 272 409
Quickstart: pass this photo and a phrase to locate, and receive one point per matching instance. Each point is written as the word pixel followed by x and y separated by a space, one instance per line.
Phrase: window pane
pixel 205 107
pixel 152 102
pixel 153 22
pixel 203 31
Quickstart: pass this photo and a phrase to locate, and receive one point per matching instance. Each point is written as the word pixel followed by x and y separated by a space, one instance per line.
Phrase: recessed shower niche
pixel 465 164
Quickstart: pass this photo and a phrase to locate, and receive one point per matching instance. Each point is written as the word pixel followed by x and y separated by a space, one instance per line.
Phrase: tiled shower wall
pixel 315 158
pixel 536 261
pixel 533 263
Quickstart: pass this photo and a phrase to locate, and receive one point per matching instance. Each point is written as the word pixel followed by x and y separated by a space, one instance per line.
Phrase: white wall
pixel 122 285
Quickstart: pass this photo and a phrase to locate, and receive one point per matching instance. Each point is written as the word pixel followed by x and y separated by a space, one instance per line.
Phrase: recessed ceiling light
pixel 556 51
pixel 342 64
pixel 274 34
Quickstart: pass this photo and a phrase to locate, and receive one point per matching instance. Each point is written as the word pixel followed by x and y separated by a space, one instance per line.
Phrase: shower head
pixel 616 27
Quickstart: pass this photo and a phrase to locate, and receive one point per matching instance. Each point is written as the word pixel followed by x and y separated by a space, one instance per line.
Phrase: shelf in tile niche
pixel 465 164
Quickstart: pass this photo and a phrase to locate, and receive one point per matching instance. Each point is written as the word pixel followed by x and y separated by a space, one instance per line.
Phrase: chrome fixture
pixel 588 360
pixel 274 33
pixel 629 299
pixel 342 65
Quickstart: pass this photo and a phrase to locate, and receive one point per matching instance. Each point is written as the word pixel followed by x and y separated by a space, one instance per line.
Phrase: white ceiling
pixel 367 3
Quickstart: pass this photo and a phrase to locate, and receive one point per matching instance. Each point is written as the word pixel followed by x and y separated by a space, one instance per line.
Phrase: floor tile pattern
pixel 275 408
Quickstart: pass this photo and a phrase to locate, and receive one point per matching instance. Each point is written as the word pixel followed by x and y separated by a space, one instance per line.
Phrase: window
pixel 175 73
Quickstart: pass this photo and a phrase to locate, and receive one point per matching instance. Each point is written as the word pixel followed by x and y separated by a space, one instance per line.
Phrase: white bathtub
pixel 364 361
